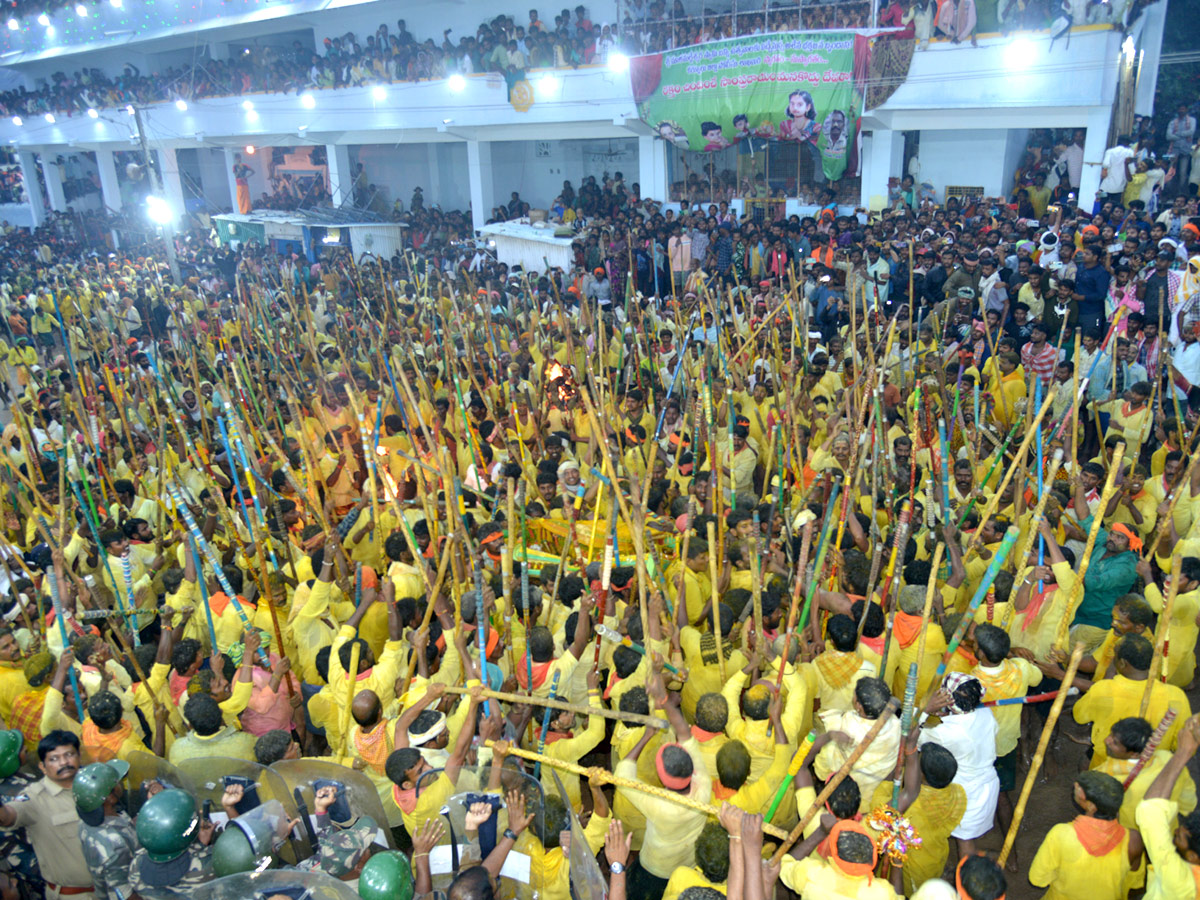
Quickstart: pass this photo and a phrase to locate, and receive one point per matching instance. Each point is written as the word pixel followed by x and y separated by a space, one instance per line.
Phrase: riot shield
pixel 587 881
pixel 276 884
pixel 149 774
pixel 359 793
pixel 522 873
pixel 210 774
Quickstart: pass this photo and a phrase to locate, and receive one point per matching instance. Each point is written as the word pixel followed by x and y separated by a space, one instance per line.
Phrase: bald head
pixel 366 709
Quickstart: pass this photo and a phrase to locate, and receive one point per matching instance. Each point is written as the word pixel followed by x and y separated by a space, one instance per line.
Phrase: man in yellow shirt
pixel 405 765
pixel 671 830
pixel 1108 700
pixel 1093 855
pixel 12 674
pixel 1125 744
pixel 1174 851
pixel 691 580
pixel 846 873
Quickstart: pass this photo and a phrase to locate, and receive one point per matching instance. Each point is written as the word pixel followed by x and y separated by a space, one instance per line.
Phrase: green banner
pixel 794 86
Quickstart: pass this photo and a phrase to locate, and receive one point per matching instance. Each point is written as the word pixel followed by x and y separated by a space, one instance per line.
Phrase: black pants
pixel 641 885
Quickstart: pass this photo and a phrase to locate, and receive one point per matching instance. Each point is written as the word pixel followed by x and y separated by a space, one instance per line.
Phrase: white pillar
pixel 168 166
pixel 32 191
pixel 54 182
pixel 479 171
pixel 882 158
pixel 341 176
pixel 432 190
pixel 1099 120
pixel 652 168
pixel 110 186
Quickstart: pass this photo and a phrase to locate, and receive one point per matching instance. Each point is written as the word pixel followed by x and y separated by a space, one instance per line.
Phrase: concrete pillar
pixel 110 186
pixel 34 193
pixel 1099 120
pixel 341 175
pixel 432 190
pixel 54 182
pixel 883 158
pixel 172 183
pixel 652 168
pixel 479 173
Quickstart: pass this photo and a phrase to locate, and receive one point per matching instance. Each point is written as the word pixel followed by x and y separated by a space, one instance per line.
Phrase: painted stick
pixel 989 576
pixel 906 717
pixel 1158 663
pixel 537 767
pixel 56 599
pixel 1151 745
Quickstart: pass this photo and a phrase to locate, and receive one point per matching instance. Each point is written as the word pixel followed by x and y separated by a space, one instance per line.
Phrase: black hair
pixel 845 799
pixel 399 762
pixel 676 761
pixel 1132 732
pixel 105 710
pixel 993 643
pixel 625 661
pixel 843 633
pixel 55 739
pixel 272 746
pixel 184 654
pixel 938 765
pixel 982 879
pixel 873 695
pixel 968 695
pixel 712 712
pixel 635 700
pixel 203 714
pixel 1136 651
pixel 875 623
pixel 712 852
pixel 733 764
pixel 1103 790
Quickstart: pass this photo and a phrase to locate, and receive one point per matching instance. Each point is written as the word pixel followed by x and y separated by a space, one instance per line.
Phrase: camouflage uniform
pixel 340 848
pixel 195 865
pixel 16 852
pixel 108 850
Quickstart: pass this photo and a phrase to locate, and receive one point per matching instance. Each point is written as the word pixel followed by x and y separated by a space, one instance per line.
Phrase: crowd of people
pixel 842 555
pixel 511 45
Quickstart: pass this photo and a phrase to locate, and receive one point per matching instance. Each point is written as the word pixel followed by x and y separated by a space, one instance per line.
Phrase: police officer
pixel 387 876
pixel 105 831
pixel 176 852
pixel 17 859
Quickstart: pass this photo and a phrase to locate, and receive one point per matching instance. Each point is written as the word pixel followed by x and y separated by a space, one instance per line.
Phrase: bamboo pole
pixel 1076 595
pixel 595 773
pixel 431 602
pixel 834 780
pixel 1031 776
pixel 715 599
pixel 990 508
pixel 1158 664
pixel 930 590
pixel 578 708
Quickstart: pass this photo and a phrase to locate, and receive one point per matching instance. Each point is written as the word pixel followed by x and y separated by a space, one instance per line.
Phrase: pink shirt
pixel 268 710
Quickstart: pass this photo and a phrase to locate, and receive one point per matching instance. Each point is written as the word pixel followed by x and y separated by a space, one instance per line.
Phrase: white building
pixel 968 109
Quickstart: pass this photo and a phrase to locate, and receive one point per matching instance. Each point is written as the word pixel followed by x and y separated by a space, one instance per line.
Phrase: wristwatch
pixel 616 868
pixel 510 834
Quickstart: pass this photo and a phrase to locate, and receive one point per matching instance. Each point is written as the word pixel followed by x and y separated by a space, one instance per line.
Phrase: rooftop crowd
pixel 843 555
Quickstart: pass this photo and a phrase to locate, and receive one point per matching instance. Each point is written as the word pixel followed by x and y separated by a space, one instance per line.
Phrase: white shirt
pixel 1073 156
pixel 1186 359
pixel 1114 164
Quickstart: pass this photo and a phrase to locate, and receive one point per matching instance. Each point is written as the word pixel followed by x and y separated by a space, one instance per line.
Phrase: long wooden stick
pixel 1076 596
pixel 1158 664
pixel 596 773
pixel 1031 776
pixel 578 708
pixel 835 779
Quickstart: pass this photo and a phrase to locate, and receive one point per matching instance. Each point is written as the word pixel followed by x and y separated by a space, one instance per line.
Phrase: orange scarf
pixel 837 668
pixel 374 746
pixel 220 601
pixel 907 628
pixel 103 747
pixel 540 671
pixel 1099 837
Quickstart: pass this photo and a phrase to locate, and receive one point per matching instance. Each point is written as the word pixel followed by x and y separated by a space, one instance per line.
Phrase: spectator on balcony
pixel 241 175
pixel 956 19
